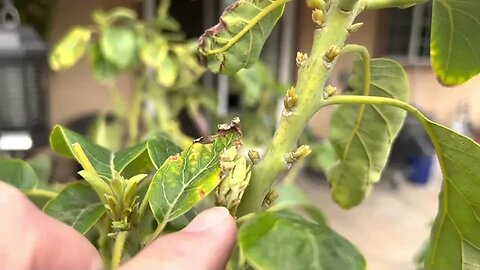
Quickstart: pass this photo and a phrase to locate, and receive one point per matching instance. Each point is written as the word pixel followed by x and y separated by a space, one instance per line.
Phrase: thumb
pixel 205 244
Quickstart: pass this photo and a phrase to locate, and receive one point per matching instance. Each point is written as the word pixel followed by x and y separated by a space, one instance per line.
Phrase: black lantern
pixel 23 55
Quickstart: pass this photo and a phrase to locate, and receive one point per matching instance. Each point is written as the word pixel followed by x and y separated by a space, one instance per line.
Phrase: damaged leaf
pixel 185 179
pixel 237 40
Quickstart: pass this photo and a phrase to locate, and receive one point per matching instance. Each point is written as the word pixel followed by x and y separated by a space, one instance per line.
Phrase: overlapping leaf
pixel 282 241
pixel 130 161
pixel 362 135
pixel 455 41
pixel 78 206
pixel 185 179
pixel 237 40
pixel 18 173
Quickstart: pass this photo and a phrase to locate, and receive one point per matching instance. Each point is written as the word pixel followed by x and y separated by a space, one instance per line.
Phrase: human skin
pixel 31 240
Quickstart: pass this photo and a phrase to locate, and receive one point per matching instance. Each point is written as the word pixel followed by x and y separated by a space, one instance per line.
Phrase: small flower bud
pixel 332 53
pixel 298 154
pixel 318 17
pixel 329 91
pixel 291 99
pixel 301 59
pixel 272 195
pixel 254 156
pixel 354 27
pixel 320 4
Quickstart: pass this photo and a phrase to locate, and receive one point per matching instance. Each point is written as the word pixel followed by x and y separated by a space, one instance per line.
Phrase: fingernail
pixel 208 219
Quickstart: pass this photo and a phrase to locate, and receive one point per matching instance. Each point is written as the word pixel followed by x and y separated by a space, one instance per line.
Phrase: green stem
pixel 163 8
pixel 381 101
pixel 156 233
pixel 365 56
pixel 134 115
pixel 381 4
pixel 103 230
pixel 166 121
pixel 311 80
pixel 41 192
pixel 244 218
pixel 118 247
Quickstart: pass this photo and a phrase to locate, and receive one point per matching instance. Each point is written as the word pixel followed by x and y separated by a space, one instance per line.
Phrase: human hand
pixel 29 239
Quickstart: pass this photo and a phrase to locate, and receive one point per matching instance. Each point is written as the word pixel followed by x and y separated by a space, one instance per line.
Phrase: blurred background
pixel 119 98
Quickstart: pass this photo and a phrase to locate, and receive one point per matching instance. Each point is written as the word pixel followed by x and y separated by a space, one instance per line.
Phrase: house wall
pixel 74 92
pixel 425 92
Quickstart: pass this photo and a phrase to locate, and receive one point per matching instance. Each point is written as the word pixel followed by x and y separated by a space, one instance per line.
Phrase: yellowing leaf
pixel 70 49
pixel 185 179
pixel 167 72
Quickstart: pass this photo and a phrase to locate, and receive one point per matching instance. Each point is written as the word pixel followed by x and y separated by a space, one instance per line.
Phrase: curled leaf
pixel 237 40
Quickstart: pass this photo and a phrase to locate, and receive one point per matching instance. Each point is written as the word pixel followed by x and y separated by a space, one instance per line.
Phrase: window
pixel 409 32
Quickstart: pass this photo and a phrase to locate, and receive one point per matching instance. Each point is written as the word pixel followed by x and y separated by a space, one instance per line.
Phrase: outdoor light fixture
pixel 22 82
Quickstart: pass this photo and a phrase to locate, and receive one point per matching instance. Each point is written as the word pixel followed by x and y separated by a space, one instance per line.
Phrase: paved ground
pixel 390 226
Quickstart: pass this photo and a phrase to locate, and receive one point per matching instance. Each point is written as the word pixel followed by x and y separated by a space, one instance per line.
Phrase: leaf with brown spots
pixel 185 179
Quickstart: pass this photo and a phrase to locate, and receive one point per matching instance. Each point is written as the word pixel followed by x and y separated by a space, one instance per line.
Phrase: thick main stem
pixel 311 80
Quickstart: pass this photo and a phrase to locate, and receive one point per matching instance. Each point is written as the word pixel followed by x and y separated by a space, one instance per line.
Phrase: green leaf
pixel 455 40
pixel 78 206
pixel 291 197
pixel 362 135
pixel 131 161
pixel 237 40
pixel 185 179
pixel 119 46
pixel 154 53
pixel 103 70
pixel 167 71
pixel 281 241
pixel 18 173
pixel 42 165
pixel 70 49
pixel 455 237
pixel 159 149
pixel 62 139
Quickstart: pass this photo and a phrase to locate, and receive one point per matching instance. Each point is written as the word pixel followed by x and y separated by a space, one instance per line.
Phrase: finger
pixel 32 240
pixel 205 244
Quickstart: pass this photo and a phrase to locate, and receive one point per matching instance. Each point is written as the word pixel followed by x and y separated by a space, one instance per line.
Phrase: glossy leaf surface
pixel 78 206
pixel 185 179
pixel 283 241
pixel 455 41
pixel 159 149
pixel 237 40
pixel 130 161
pixel 362 135
pixel 455 238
